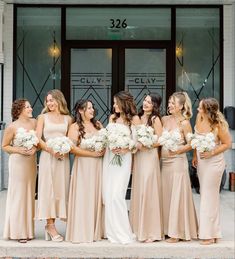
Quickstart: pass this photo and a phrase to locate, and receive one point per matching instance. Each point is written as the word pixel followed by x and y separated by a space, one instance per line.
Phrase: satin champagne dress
pixel 146 197
pixel 210 173
pixel 54 175
pixel 19 223
pixel 84 224
pixel 180 220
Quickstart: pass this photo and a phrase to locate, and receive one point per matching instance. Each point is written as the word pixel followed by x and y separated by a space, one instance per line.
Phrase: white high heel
pixel 56 238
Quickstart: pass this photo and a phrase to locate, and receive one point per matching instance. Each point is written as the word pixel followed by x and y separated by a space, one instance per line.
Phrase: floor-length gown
pixel 53 184
pixel 84 222
pixel 115 183
pixel 146 197
pixel 179 213
pixel 210 173
pixel 19 223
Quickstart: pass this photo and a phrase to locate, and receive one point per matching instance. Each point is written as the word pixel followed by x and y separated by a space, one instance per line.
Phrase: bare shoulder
pixel 74 126
pixel 111 117
pixel 69 119
pixel 11 127
pixel 99 124
pixel 41 117
pixel 34 122
pixel 165 118
pixel 156 119
pixel 185 123
pixel 136 120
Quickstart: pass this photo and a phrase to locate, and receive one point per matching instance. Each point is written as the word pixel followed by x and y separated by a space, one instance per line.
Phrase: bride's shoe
pixel 173 240
pixel 208 241
pixel 49 236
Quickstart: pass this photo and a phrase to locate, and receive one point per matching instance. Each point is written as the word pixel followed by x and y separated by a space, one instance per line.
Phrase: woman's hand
pixel 22 151
pixel 31 151
pixel 99 153
pixel 120 151
pixel 206 155
pixel 143 148
pixel 194 162
pixel 173 153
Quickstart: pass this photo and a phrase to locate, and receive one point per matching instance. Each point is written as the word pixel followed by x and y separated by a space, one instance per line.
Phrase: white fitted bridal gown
pixel 115 183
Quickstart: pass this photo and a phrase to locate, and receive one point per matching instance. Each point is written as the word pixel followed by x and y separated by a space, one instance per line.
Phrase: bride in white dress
pixel 116 178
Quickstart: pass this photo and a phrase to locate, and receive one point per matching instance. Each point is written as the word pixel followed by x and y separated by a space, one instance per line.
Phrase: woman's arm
pixel 136 120
pixel 225 143
pixel 73 134
pixel 8 136
pixel 157 125
pixel 186 126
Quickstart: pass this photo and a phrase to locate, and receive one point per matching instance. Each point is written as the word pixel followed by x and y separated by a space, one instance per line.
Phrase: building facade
pixel 93 49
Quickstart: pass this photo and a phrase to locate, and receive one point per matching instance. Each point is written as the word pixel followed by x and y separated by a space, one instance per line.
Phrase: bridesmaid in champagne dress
pixel 84 224
pixel 146 198
pixel 210 167
pixel 54 170
pixel 180 221
pixel 19 222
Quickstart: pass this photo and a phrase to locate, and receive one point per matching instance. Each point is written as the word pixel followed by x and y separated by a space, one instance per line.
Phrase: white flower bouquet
pixel 119 136
pixel 97 142
pixel 26 139
pixel 145 135
pixel 203 143
pixel 170 140
pixel 60 145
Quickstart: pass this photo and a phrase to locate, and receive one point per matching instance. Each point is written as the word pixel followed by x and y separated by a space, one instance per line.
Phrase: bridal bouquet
pixel 97 142
pixel 202 143
pixel 145 135
pixel 119 136
pixel 60 145
pixel 26 139
pixel 170 140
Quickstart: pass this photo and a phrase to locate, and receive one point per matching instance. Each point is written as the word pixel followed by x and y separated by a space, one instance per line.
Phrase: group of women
pixel 92 200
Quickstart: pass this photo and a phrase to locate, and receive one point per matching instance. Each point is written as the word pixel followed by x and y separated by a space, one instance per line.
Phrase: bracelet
pixel 212 152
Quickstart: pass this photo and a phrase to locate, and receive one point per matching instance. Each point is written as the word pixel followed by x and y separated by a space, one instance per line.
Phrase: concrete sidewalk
pixel 104 249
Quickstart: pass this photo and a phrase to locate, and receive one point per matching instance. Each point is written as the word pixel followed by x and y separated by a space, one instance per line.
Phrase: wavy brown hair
pixel 17 108
pixel 185 101
pixel 82 105
pixel 59 97
pixel 211 107
pixel 156 101
pixel 126 104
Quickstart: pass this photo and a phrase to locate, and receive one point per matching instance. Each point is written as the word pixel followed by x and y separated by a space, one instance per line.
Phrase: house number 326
pixel 118 23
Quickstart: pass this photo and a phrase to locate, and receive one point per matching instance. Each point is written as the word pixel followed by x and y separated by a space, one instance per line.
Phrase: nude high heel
pixel 48 236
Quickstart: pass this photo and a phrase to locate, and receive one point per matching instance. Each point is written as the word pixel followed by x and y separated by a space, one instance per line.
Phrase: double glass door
pixel 97 73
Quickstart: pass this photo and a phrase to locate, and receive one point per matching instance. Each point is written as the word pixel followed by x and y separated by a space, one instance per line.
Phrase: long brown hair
pixel 127 106
pixel 156 101
pixel 211 107
pixel 59 97
pixel 82 105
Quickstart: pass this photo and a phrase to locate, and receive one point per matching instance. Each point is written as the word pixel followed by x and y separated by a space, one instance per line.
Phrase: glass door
pixel 96 71
pixel 145 72
pixel 91 78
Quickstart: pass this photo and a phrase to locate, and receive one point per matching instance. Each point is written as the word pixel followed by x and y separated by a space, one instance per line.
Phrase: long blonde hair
pixel 211 107
pixel 59 97
pixel 185 101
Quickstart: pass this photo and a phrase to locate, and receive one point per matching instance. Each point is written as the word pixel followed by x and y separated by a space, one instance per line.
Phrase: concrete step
pixel 104 249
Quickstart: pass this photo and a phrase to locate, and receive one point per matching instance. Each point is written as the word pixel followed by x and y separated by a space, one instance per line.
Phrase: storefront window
pixel 38 45
pixel 118 23
pixel 198 54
